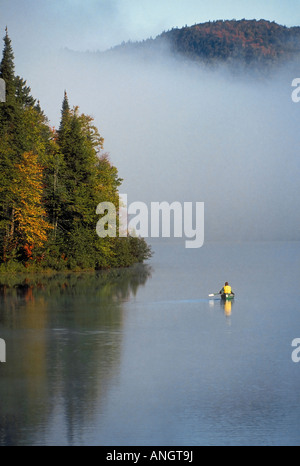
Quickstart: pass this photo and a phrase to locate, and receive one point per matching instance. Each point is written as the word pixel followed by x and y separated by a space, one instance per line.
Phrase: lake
pixel 143 357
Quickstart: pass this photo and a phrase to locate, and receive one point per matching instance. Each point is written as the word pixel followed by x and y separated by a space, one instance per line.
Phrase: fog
pixel 179 132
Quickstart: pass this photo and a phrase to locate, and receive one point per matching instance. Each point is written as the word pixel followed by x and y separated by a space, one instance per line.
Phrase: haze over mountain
pixel 179 129
pixel 251 42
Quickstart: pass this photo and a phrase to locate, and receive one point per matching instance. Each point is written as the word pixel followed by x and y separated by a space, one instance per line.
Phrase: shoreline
pixel 15 278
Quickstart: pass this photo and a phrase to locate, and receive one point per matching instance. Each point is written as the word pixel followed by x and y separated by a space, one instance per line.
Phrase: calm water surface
pixel 144 357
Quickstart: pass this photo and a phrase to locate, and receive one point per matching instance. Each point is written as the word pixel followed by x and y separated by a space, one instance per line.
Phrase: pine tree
pixel 65 119
pixel 51 183
pixel 88 180
pixel 7 147
pixel 80 160
pixel 7 73
pixel 23 129
pixel 23 93
pixel 18 94
pixel 7 68
pixel 65 106
pixel 55 195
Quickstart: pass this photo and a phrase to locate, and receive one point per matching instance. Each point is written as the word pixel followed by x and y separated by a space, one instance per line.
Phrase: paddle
pixel 213 294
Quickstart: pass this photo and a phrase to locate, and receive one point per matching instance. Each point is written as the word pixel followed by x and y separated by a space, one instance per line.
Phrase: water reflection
pixel 227 306
pixel 64 337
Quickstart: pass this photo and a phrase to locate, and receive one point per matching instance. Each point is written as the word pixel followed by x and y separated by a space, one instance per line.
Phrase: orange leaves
pixel 28 250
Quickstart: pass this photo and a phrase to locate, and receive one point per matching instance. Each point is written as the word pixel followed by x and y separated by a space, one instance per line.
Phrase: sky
pixel 101 24
pixel 176 132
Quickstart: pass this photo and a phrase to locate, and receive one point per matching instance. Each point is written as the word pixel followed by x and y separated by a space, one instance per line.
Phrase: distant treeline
pixel 250 42
pixel 51 181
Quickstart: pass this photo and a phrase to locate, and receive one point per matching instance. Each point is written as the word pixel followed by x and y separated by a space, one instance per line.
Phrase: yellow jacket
pixel 227 289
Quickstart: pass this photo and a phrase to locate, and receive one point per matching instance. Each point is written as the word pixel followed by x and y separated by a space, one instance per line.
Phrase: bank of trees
pixel 249 42
pixel 51 181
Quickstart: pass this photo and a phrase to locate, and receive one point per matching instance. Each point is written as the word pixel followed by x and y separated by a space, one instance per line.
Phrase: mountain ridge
pixel 251 42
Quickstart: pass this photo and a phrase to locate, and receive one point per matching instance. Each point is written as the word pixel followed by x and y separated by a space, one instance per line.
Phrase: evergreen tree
pixel 89 178
pixel 65 106
pixel 22 130
pixel 55 195
pixel 7 149
pixel 79 142
pixel 23 93
pixel 51 183
pixel 65 118
pixel 7 67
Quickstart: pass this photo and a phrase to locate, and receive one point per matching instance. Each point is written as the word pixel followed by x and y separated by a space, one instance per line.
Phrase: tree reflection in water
pixel 63 336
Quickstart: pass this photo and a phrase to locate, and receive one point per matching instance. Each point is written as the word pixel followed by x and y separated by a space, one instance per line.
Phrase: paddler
pixel 226 289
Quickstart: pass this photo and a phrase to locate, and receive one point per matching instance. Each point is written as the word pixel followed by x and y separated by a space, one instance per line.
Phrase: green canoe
pixel 227 297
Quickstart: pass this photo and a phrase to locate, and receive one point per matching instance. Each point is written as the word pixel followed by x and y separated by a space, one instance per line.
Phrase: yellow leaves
pixel 29 214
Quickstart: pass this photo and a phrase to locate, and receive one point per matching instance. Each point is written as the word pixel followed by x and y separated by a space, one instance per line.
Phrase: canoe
pixel 227 297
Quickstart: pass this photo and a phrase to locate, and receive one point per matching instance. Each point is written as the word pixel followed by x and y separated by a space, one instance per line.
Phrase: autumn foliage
pixel 29 213
pixel 258 44
pixel 51 181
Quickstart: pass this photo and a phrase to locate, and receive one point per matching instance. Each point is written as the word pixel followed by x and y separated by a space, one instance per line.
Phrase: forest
pixel 51 181
pixel 251 43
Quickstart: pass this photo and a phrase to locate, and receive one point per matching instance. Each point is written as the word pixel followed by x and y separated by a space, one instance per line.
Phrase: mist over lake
pixel 102 343
pixel 144 357
pixel 179 131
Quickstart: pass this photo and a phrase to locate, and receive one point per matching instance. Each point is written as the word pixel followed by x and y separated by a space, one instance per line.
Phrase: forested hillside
pixel 250 42
pixel 51 181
